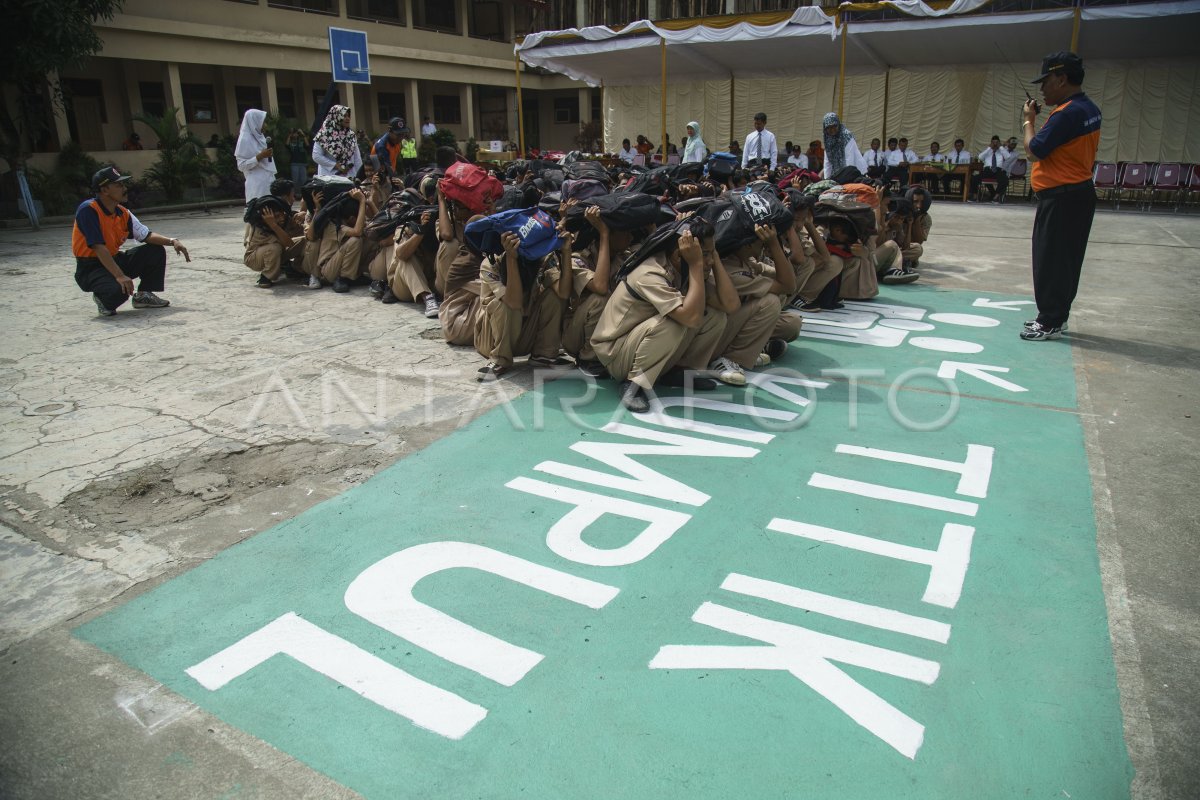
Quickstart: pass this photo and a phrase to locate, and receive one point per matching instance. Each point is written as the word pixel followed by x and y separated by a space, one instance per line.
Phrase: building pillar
pixel 580 13
pixel 510 22
pixel 174 89
pixel 133 90
pixel 61 128
pixel 232 121
pixel 412 108
pixel 652 9
pixel 730 6
pixel 269 94
pixel 466 99
pixel 464 14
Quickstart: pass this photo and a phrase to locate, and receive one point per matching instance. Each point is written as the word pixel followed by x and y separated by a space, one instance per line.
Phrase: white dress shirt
pixel 934 158
pixel 626 155
pixel 959 157
pixel 798 161
pixel 874 158
pixel 853 158
pixel 760 145
pixel 895 157
pixel 428 129
pixel 993 158
pixel 1010 158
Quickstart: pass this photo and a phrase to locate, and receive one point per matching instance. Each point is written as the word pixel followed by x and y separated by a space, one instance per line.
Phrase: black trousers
pixel 1060 236
pixel 990 172
pixel 147 262
pixel 896 174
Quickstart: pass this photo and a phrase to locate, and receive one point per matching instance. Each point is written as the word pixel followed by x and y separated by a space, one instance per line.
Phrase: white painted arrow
pixel 983 372
pixel 1006 305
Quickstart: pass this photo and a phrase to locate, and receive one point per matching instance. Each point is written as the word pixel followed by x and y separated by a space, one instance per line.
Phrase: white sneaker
pixel 314 282
pixel 431 306
pixel 763 360
pixel 728 372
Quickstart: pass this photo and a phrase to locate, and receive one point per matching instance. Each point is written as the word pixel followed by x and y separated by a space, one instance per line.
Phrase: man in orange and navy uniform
pixel 1062 153
pixel 387 147
pixel 102 225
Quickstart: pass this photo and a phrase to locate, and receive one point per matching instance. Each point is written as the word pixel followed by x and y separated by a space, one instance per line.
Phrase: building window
pixel 446 109
pixel 487 20
pixel 154 99
pixel 391 104
pixel 314 6
pixel 566 110
pixel 287 102
pixel 319 95
pixel 389 12
pixel 247 97
pixel 681 9
pixel 83 87
pixel 435 15
pixel 493 113
pixel 199 104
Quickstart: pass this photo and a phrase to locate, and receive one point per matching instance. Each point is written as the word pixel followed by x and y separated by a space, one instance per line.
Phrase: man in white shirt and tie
pixel 993 159
pixel 876 160
pixel 760 147
pixel 898 158
pixel 958 156
pixel 428 129
pixel 1010 147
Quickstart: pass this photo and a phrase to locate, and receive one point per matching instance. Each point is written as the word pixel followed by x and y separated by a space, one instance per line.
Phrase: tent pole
pixel 520 108
pixel 603 113
pixel 663 100
pixel 842 68
pixel 887 80
pixel 1075 32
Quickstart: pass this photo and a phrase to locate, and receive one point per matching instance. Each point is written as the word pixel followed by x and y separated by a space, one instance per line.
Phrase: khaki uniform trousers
pixel 459 312
pixel 858 278
pixel 581 322
pixel 654 346
pixel 819 278
pixel 336 255
pixel 446 253
pixel 380 265
pixel 410 277
pixel 787 327
pixel 748 328
pixel 268 257
pixel 913 252
pixel 886 256
pixel 502 333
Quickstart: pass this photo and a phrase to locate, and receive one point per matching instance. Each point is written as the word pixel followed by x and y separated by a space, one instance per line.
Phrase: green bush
pixel 65 187
pixel 182 162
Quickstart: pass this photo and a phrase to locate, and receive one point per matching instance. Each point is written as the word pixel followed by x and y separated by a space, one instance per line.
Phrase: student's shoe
pixel 264 282
pixel 809 308
pixel 389 296
pixel 1029 323
pixel 678 377
pixel 1037 332
pixel 341 285
pixel 836 306
pixel 894 276
pixel 490 372
pixel 633 397
pixel 550 362
pixel 149 300
pixel 291 273
pixel 314 282
pixel 102 309
pixel 376 289
pixel 762 360
pixel 593 369
pixel 728 372
pixel 431 306
pixel 775 348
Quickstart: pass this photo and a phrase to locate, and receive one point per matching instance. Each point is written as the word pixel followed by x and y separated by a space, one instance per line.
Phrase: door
pixel 88 128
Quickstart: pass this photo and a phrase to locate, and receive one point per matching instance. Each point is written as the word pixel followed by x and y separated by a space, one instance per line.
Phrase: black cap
pixel 108 175
pixel 1056 62
pixel 396 124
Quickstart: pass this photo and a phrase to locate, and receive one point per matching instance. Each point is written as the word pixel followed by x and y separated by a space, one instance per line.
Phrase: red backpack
pixel 471 185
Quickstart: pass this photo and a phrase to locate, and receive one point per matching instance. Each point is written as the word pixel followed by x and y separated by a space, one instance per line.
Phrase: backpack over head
pixel 471 185
pixel 844 208
pixel 736 216
pixel 622 211
pixel 583 189
pixel 258 205
pixel 594 170
pixel 534 227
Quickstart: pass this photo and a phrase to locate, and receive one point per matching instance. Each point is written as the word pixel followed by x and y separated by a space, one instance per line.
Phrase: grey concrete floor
pixel 127 446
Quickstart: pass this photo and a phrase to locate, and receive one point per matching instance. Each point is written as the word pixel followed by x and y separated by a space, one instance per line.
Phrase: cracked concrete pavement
pixel 134 447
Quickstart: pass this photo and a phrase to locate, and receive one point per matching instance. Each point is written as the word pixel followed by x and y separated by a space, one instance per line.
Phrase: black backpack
pixel 255 208
pixel 735 217
pixel 623 211
pixel 330 187
pixel 655 182
pixel 594 170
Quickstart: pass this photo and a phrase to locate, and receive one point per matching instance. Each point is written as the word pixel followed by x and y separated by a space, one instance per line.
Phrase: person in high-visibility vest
pixel 408 151
pixel 102 225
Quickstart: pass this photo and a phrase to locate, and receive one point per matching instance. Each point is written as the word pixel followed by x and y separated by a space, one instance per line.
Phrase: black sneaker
pixel 376 289
pixel 264 282
pixel 811 308
pixel 490 372
pixel 551 362
pixel 775 348
pixel 1037 332
pixel 837 305
pixel 149 300
pixel 633 397
pixel 102 309
pixel 678 377
pixel 389 296
pixel 341 285
pixel 592 369
pixel 896 276
pixel 1029 323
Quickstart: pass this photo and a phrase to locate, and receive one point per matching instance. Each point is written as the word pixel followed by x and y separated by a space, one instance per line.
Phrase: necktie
pixel 993 159
pixel 759 145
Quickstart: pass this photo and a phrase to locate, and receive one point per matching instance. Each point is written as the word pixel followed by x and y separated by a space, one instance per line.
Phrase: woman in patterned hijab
pixel 335 147
pixel 841 150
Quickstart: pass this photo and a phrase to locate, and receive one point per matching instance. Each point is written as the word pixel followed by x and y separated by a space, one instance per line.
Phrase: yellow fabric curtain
pixel 1149 107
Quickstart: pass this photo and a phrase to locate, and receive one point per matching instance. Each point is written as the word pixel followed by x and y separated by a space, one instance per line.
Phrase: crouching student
pixel 335 239
pixel 658 321
pixel 517 315
pixel 918 232
pixel 763 278
pixel 594 269
pixel 894 231
pixel 412 267
pixel 807 253
pixel 276 237
pixel 451 222
pixel 460 304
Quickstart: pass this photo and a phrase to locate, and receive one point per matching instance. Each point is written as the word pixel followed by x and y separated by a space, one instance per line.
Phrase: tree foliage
pixel 40 37
pixel 181 163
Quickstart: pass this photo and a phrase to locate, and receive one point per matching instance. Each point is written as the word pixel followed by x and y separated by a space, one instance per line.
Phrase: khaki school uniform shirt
pixel 751 278
pixel 657 286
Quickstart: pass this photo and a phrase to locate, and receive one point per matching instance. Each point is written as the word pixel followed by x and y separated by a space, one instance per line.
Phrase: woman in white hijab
pixel 254 155
pixel 695 150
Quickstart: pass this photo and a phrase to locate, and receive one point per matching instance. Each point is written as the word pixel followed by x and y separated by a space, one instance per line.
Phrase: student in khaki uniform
pixel 282 241
pixel 810 257
pixel 452 219
pixel 658 320
pixel 517 315
pixel 411 268
pixel 918 232
pixel 337 255
pixel 761 289
pixel 594 270
pixel 460 305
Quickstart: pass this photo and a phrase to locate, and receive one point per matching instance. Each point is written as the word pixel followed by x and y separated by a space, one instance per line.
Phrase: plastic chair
pixel 1191 184
pixel 1020 173
pixel 639 160
pixel 1105 177
pixel 1133 179
pixel 1167 178
pixel 673 158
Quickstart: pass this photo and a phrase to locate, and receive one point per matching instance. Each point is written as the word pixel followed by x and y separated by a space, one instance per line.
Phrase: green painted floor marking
pixel 611 688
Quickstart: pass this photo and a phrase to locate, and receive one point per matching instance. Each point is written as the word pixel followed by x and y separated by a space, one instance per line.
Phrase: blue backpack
pixel 535 228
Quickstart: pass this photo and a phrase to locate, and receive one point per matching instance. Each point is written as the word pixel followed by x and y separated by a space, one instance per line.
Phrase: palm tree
pixel 181 162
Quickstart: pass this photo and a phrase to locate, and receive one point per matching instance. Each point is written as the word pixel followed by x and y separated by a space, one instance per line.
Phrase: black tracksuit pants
pixel 147 262
pixel 1060 236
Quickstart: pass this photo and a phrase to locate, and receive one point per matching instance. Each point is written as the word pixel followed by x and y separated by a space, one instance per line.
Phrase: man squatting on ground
pixel 102 225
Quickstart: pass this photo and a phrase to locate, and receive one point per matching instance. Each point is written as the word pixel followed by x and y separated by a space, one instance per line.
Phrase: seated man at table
pixel 993 159
pixel 959 156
